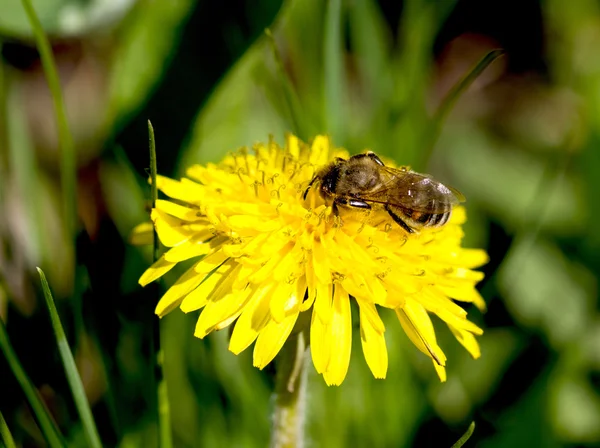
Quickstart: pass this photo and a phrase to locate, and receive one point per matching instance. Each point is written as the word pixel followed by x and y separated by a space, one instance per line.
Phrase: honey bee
pixel 413 200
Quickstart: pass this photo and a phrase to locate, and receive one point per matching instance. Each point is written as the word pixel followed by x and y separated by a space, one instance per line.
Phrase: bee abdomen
pixel 438 219
pixel 430 219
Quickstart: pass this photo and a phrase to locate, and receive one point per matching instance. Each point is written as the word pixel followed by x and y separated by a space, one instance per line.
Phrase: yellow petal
pixel 306 300
pixel 266 270
pixel 320 264
pixel 320 344
pixel 471 258
pixel 176 210
pixel 417 325
pixel 271 339
pixel 178 190
pixel 380 294
pixel 281 295
pixel 221 310
pixel 320 150
pixel 292 145
pixel 369 311
pixel 464 294
pixel 199 297
pixel 174 295
pixel 157 270
pixel 142 234
pixel 211 262
pixel 441 371
pixel 244 222
pixel 459 215
pixel 324 302
pixel 169 229
pixel 340 332
pixel 252 320
pixel 373 344
pixel 468 341
pixel 186 251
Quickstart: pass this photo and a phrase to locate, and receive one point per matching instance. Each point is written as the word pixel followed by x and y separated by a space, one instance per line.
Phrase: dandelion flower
pixel 263 255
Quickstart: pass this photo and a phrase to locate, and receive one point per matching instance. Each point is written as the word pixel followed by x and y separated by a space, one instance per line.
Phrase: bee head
pixel 331 176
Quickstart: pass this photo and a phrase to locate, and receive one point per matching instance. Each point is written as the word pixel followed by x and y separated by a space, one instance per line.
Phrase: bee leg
pixel 358 203
pixel 398 220
pixel 308 188
pixel 375 158
pixel 334 206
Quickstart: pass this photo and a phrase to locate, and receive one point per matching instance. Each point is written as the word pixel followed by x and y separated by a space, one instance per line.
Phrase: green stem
pixel 41 412
pixel 290 395
pixel 153 187
pixel 164 410
pixel 65 140
pixel 466 436
pixel 455 93
pixel 5 434
pixel 81 402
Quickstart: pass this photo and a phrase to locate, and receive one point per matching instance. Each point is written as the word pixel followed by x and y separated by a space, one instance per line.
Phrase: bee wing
pixel 413 191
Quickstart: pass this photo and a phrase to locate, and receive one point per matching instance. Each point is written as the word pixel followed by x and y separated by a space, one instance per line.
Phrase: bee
pixel 414 201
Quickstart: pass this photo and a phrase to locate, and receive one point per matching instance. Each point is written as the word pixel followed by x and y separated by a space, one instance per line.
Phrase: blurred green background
pixel 522 144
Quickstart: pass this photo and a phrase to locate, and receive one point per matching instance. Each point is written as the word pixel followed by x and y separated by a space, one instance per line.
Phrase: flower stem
pixel 290 395
pixel 164 410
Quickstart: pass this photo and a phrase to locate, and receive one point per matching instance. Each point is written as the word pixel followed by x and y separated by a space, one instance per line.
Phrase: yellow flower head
pixel 263 255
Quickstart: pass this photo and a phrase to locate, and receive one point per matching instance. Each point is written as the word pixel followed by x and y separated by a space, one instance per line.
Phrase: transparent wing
pixel 413 191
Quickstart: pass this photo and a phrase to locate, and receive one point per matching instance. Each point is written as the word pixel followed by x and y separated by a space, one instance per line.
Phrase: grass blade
pixel 43 416
pixel 455 93
pixel 291 97
pixel 83 407
pixel 5 434
pixel 164 410
pixel 65 140
pixel 466 436
pixel 333 65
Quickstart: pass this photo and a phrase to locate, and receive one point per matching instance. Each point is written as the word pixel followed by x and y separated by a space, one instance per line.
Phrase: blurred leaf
pixel 186 420
pixel 450 99
pixel 525 423
pixel 68 169
pixel 334 73
pixel 412 70
pixel 237 114
pixel 372 43
pixel 61 17
pixel 297 117
pixel 519 189
pixel 126 205
pixel 24 173
pixel 544 289
pixel 147 40
pixel 575 410
pixel 125 199
pixel 369 95
pixel 471 382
